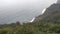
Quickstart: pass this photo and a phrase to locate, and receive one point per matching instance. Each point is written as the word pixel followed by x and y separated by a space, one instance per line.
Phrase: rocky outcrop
pixel 51 13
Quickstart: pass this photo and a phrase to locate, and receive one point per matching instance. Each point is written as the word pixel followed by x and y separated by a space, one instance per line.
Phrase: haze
pixel 22 10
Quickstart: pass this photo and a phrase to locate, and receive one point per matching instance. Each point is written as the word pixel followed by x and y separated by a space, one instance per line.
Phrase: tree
pixel 17 23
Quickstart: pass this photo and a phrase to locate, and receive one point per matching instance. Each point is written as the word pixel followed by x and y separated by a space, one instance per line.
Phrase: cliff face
pixel 58 1
pixel 52 13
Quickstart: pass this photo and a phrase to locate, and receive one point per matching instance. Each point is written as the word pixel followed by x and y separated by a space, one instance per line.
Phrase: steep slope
pixel 52 14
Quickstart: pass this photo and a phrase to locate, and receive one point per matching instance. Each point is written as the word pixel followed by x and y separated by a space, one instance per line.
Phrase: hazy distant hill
pixel 52 14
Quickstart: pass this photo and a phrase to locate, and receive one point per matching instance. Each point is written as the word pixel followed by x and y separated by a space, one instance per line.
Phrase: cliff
pixel 51 14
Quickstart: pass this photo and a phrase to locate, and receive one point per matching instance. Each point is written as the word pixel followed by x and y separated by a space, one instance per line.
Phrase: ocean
pixel 22 11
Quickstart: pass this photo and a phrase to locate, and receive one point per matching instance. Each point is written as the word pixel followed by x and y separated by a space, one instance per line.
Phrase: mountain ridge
pixel 50 14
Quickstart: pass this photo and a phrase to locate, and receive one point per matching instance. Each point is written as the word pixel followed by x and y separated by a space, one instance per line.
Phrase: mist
pixel 58 1
pixel 22 10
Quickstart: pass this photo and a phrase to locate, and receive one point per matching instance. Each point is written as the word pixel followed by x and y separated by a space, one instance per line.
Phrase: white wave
pixel 32 20
pixel 42 13
pixel 43 10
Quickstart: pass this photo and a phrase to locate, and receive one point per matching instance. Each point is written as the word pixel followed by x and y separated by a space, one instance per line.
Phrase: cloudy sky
pixel 22 3
pixel 22 9
pixel 13 6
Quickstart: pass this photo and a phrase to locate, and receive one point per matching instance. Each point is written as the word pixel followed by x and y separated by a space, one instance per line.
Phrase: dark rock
pixel 51 13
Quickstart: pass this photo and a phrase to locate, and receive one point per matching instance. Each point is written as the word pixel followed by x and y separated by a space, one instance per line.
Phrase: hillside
pixel 47 23
pixel 52 14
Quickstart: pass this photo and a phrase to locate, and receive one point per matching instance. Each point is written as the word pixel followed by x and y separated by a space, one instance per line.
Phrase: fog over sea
pixel 21 10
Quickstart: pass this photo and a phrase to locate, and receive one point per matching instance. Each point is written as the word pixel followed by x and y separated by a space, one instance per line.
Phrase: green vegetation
pixel 48 23
pixel 30 28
